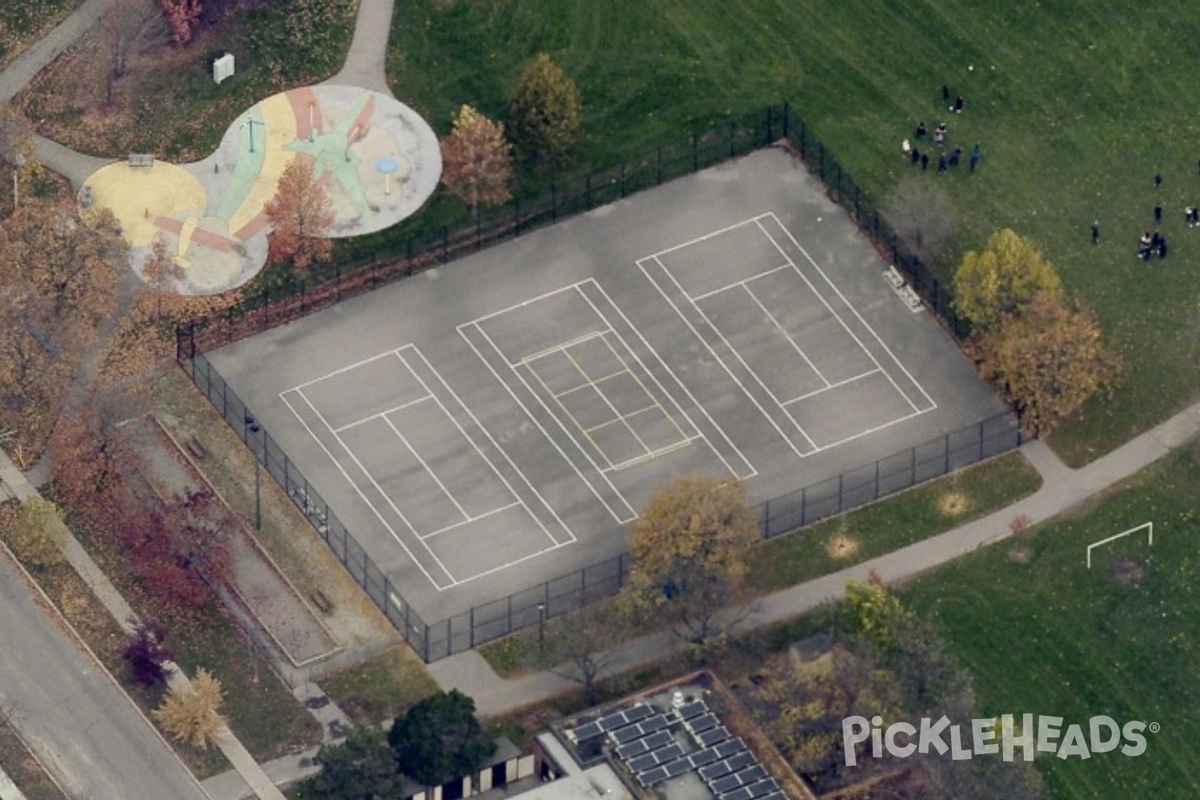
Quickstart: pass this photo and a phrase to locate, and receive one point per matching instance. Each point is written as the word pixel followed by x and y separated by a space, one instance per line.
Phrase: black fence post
pixel 301 296
pixel 445 243
pixel 785 119
pixel 478 230
pixel 587 190
pixel 516 216
pixel 660 165
pixel 622 180
pixel 553 201
pixel 767 141
pixel 821 150
pixel 695 153
pixel 732 132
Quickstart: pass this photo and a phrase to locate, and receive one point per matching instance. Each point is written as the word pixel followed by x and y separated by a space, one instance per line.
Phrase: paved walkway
pixel 1062 488
pixel 24 67
pixel 366 62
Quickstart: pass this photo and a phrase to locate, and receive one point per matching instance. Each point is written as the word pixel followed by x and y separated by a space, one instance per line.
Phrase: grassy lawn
pixel 1076 106
pixel 893 523
pixel 1044 635
pixel 860 536
pixel 381 688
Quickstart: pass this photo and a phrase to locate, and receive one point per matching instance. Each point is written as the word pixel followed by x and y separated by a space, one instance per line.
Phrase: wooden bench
pixel 323 603
pixel 195 448
pixel 141 160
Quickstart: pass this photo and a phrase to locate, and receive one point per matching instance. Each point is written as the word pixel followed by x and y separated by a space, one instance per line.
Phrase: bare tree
pixel 126 27
pixel 584 644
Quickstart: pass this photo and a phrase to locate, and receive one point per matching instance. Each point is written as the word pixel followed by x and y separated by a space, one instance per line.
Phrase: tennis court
pixel 499 421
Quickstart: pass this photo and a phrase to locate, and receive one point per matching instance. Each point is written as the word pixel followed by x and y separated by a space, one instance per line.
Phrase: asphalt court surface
pixel 499 421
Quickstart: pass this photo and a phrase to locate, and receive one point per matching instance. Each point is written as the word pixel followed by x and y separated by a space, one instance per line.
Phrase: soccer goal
pixel 1145 526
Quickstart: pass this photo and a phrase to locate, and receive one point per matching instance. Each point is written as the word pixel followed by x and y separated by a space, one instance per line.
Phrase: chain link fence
pixel 566 593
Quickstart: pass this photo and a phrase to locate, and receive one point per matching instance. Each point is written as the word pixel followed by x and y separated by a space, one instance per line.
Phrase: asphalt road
pixel 77 722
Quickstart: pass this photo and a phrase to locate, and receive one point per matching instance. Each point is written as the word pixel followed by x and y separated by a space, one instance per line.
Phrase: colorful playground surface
pixel 377 160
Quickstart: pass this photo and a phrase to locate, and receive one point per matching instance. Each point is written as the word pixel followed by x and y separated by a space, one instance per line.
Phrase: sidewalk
pixel 367 58
pixel 1062 488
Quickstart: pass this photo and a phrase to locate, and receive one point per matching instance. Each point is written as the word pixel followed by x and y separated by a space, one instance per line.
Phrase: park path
pixel 1062 488
pixel 367 59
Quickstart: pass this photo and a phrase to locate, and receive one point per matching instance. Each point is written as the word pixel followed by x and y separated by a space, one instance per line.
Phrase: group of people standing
pixel 945 161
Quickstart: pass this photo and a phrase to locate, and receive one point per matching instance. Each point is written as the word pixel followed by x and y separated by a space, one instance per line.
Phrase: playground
pixel 376 159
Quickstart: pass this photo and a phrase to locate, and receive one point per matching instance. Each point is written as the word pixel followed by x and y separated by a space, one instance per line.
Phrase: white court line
pixel 786 335
pixel 671 372
pixel 854 311
pixel 535 421
pixel 707 236
pixel 391 503
pixel 626 464
pixel 747 367
pixel 735 284
pixel 519 305
pixel 427 468
pixel 559 348
pixel 346 368
pixel 358 491
pixel 649 394
pixel 875 429
pixel 479 451
pixel 570 416
pixel 383 413
pixel 816 392
pixel 469 520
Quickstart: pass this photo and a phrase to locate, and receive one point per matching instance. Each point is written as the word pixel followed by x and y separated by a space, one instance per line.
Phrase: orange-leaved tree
pixel 477 160
pixel 301 215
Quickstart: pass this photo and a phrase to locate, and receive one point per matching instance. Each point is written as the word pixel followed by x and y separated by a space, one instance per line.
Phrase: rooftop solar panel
pixel 713 736
pixel 702 722
pixel 735 779
pixel 726 749
pixel 731 764
pixel 701 757
pixel 693 709
pixel 643 745
pixel 775 796
pixel 656 775
pixel 626 716
pixel 584 732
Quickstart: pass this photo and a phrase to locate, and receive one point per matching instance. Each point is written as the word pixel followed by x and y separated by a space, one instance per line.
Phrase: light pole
pixel 541 625
pixel 251 426
pixel 18 162
pixel 251 121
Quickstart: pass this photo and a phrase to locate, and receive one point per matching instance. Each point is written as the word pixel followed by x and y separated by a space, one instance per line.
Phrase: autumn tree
pixel 301 215
pixel 999 279
pixel 60 272
pixel 37 533
pixel 544 112
pixel 922 215
pixel 583 644
pixel 192 713
pixel 690 549
pixel 1047 359
pixel 440 738
pixel 147 654
pixel 181 16
pixel 362 765
pixel 477 160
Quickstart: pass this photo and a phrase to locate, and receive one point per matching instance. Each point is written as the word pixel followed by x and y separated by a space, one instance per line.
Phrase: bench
pixel 894 277
pixel 195 448
pixel 323 603
pixel 141 160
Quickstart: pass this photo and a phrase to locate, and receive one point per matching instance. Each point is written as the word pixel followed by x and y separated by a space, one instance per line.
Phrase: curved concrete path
pixel 1062 488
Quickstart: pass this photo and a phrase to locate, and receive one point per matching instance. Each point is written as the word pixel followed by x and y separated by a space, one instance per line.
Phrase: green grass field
pixel 1044 635
pixel 1075 104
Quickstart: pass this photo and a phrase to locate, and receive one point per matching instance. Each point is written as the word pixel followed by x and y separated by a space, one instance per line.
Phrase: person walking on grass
pixel 975 154
pixel 1096 232
pixel 1158 212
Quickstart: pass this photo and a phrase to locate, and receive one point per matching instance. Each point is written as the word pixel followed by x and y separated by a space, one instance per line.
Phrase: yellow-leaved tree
pixel 999 279
pixel 690 550
pixel 477 160
pixel 192 714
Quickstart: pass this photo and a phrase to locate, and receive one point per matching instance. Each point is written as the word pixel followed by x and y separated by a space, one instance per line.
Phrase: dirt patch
pixel 953 504
pixel 841 546
pixel 1128 572
pixel 1020 555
